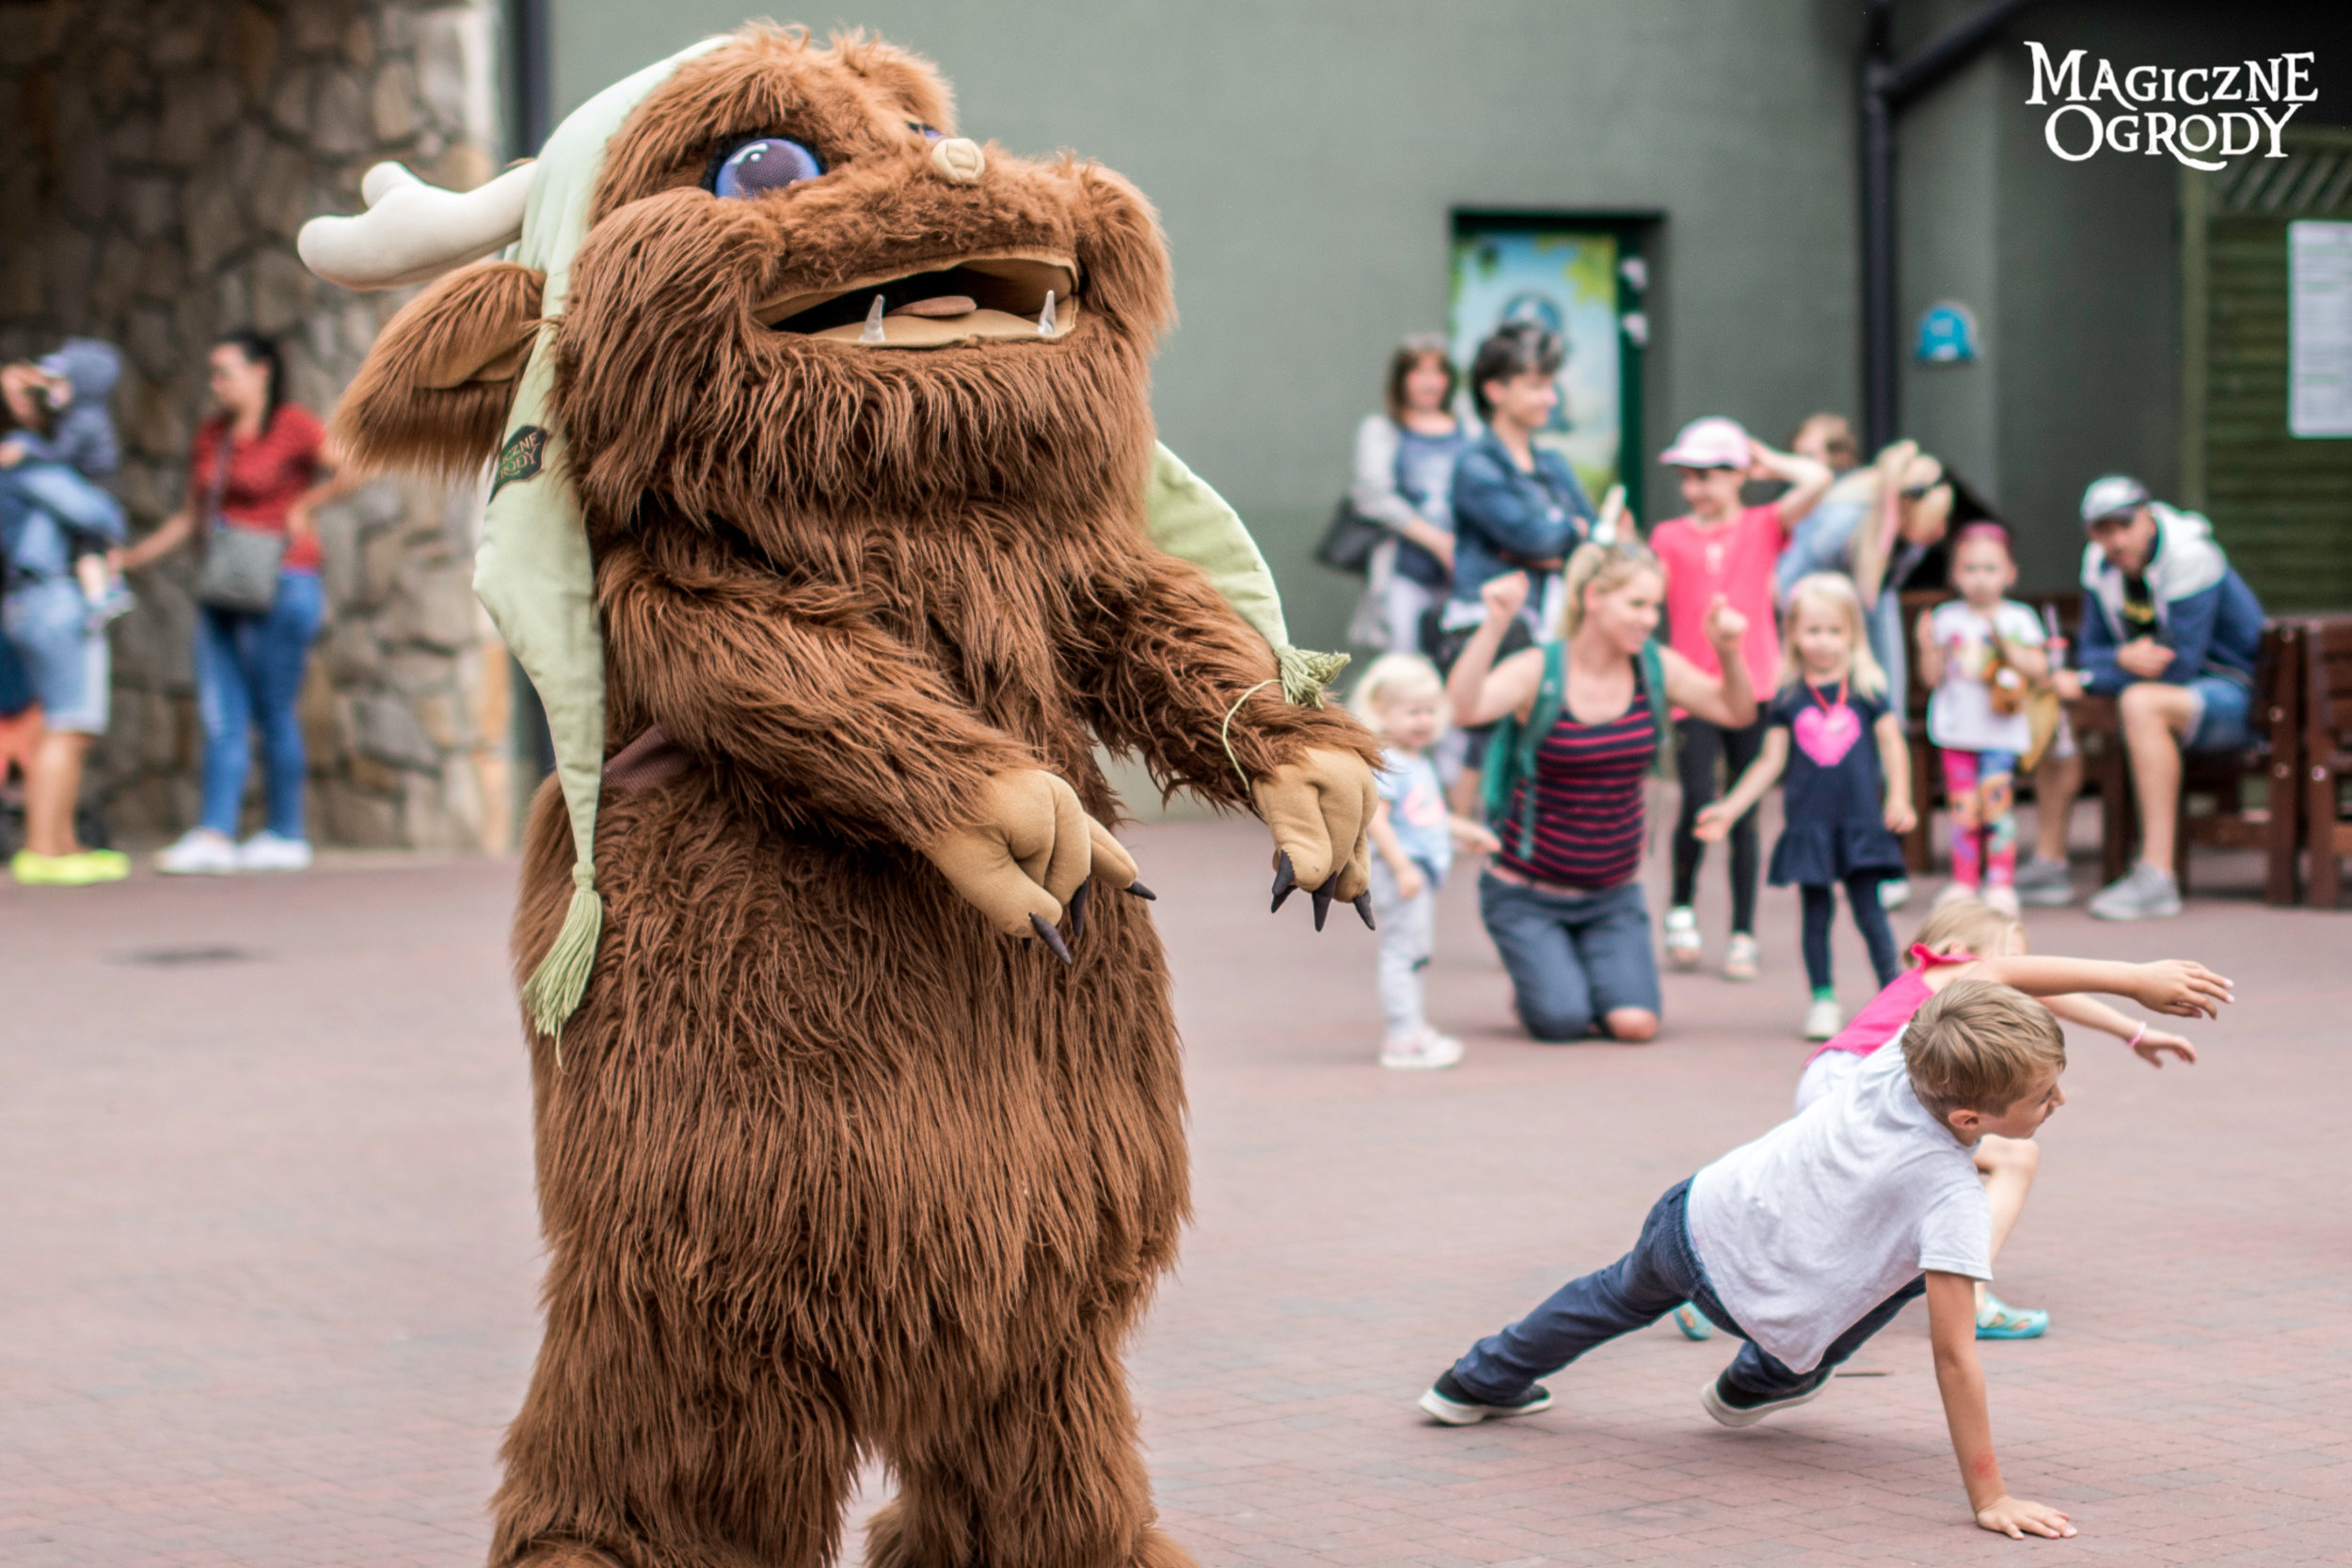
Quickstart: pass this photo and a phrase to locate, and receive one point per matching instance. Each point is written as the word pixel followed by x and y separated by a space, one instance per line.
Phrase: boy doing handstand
pixel 1811 1238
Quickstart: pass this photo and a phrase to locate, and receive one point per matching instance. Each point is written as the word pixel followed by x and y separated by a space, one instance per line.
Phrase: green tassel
pixel 553 992
pixel 1305 673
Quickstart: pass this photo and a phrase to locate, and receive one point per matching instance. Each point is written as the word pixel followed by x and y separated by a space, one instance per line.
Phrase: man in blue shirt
pixel 2171 632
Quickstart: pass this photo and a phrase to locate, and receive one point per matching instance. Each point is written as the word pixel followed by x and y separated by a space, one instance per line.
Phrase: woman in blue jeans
pixel 1564 903
pixel 262 464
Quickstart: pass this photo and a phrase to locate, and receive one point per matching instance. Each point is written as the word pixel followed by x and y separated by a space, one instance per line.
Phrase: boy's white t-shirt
pixel 1959 711
pixel 1826 1216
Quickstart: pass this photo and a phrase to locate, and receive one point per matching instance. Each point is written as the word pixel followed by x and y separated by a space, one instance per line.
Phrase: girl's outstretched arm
pixel 2177 986
pixel 1715 820
pixel 2151 1043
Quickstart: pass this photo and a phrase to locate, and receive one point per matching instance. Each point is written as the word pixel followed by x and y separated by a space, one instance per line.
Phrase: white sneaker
pixel 1953 892
pixel 1683 947
pixel 198 852
pixel 1893 893
pixel 2002 900
pixel 1424 1052
pixel 268 851
pixel 1824 1020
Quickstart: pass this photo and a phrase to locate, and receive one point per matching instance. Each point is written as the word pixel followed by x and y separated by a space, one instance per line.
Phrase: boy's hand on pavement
pixel 2182 988
pixel 2016 1518
pixel 2154 1043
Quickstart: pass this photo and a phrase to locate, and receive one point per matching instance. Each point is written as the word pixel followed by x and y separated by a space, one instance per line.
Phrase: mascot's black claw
pixel 1363 906
pixel 1137 889
pixel 1323 898
pixel 1050 938
pixel 1078 907
pixel 1285 880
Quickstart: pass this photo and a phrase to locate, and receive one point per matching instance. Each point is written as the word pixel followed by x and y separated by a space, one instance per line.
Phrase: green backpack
pixel 1511 749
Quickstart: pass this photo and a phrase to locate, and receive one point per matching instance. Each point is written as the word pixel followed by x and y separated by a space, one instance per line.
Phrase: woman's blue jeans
pixel 249 673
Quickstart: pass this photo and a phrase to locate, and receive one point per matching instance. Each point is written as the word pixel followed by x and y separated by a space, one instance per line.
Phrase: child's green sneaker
pixel 1691 1322
pixel 1997 1320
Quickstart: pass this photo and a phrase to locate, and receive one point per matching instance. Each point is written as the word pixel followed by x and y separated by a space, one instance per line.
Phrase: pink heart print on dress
pixel 1827 734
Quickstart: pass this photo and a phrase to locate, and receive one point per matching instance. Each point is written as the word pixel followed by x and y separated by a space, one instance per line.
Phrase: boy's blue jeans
pixel 1660 1275
pixel 248 674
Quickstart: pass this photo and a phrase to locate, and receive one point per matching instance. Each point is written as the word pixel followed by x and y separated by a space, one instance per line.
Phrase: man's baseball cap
pixel 1710 443
pixel 2113 496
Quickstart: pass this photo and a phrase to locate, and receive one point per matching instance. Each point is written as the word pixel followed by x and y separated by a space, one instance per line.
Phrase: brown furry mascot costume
pixel 860 1117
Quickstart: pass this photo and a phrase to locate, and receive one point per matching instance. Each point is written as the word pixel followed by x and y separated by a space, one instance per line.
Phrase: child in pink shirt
pixel 1724 547
pixel 1969 940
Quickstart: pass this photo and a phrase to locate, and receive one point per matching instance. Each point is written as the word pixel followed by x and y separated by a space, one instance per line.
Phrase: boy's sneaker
pixel 1824 1019
pixel 2044 885
pixel 1893 893
pixel 1425 1050
pixel 198 852
pixel 1683 947
pixel 1742 959
pixel 2002 900
pixel 2144 893
pixel 268 851
pixel 1738 1410
pixel 1456 1406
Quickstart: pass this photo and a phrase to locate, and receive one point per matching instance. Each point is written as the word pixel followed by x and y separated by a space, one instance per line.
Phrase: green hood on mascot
pixel 827 519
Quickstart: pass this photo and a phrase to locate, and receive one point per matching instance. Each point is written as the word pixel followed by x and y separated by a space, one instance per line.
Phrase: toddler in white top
pixel 1981 654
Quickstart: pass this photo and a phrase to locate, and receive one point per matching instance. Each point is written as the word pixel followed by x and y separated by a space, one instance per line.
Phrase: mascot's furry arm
pixel 798 682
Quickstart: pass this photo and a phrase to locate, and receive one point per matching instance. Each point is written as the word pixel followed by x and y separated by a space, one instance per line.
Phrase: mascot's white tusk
pixel 413 232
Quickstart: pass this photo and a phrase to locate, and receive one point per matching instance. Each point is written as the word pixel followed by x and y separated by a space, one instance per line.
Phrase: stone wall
pixel 162 157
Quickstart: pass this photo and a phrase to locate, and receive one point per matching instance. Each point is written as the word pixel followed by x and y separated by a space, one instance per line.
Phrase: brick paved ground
pixel 267 1255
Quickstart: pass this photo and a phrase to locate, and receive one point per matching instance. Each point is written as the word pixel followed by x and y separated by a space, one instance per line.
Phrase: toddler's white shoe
pixel 1422 1052
pixel 268 851
pixel 1953 892
pixel 1824 1018
pixel 198 852
pixel 1742 959
pixel 2002 900
pixel 1683 947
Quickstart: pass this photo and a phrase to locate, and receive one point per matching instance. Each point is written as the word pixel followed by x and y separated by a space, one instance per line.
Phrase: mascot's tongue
pixel 944 304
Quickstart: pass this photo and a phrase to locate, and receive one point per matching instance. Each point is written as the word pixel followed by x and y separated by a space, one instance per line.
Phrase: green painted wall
pixel 1306 154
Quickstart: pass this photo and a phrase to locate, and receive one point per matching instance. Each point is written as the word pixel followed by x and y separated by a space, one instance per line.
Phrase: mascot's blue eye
pixel 929 132
pixel 769 163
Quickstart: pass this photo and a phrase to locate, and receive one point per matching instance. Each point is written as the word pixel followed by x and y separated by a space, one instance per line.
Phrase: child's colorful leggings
pixel 1984 819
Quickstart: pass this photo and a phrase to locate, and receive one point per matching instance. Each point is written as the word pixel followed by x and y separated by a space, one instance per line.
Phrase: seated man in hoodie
pixel 2171 632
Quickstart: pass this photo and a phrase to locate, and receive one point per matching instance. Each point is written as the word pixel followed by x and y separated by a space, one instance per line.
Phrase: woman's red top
pixel 266 476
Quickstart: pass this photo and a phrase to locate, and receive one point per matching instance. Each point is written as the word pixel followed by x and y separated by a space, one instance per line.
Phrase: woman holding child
pixel 1562 898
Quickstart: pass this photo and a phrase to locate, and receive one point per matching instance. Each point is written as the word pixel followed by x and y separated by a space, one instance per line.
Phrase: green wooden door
pixel 2280 504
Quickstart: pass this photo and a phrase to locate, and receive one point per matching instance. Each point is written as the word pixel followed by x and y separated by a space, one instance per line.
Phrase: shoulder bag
pixel 239 570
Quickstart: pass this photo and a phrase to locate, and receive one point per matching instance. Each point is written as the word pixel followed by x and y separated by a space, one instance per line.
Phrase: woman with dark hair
pixel 1517 506
pixel 261 465
pixel 1405 458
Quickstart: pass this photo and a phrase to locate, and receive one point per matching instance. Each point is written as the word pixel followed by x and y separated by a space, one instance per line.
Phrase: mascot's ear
pixel 433 391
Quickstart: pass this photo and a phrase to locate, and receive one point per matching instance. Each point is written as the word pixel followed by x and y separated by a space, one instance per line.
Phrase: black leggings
pixel 1702 745
pixel 1869 917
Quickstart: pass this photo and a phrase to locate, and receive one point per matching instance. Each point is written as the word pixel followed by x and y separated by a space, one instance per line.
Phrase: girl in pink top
pixel 1948 948
pixel 1724 548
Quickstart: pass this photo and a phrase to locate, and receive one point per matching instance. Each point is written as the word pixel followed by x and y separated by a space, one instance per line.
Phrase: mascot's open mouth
pixel 1015 294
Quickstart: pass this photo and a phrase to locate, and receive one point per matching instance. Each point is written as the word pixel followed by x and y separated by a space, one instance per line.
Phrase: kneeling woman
pixel 1562 898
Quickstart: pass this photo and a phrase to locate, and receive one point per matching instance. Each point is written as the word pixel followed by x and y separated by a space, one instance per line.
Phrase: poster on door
pixel 1567 280
pixel 2319 330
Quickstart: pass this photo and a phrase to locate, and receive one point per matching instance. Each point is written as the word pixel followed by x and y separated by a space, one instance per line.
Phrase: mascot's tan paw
pixel 1030 853
pixel 1320 810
